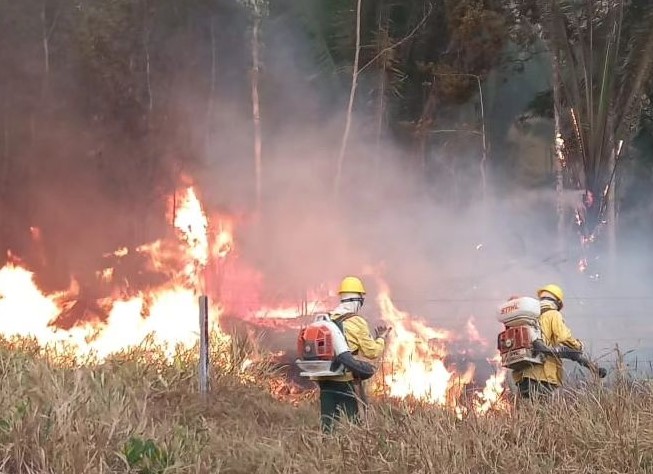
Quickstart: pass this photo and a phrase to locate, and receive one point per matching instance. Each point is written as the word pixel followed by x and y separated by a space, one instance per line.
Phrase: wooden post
pixel 204 344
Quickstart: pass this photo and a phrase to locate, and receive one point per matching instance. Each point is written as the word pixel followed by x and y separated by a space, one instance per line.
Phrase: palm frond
pixel 634 72
pixel 605 83
pixel 311 15
pixel 557 15
pixel 605 54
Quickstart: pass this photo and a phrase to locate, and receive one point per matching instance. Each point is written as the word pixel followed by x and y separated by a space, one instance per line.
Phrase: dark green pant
pixel 531 388
pixel 337 399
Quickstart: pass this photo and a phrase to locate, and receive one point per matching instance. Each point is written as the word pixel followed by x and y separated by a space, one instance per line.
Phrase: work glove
pixel 381 331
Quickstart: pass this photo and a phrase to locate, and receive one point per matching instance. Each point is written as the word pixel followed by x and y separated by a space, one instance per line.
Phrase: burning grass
pixel 139 412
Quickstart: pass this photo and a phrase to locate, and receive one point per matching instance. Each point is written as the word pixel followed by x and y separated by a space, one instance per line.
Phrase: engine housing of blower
pixel 318 346
pixel 520 316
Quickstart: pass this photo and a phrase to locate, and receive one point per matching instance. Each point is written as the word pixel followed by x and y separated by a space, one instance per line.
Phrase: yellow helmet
pixel 555 290
pixel 351 284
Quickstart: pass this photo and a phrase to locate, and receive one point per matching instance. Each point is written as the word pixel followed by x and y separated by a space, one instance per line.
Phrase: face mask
pixel 553 301
pixel 360 301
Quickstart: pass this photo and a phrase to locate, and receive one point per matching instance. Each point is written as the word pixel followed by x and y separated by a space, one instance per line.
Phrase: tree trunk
pixel 47 31
pixel 350 106
pixel 381 106
pixel 209 107
pixel 611 217
pixel 4 178
pixel 255 108
pixel 380 119
pixel 487 205
pixel 559 160
pixel 4 168
pixel 46 49
pixel 423 130
pixel 148 76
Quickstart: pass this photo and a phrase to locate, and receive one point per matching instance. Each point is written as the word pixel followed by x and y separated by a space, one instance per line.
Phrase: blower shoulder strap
pixel 339 321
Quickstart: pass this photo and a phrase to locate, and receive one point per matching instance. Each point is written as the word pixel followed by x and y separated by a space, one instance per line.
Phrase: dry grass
pixel 138 413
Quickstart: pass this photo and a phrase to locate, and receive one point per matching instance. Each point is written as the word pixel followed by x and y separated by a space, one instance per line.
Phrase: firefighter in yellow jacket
pixel 338 394
pixel 545 378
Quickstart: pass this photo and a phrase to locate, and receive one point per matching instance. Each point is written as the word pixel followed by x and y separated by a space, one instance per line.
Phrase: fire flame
pixel 169 308
pixel 414 364
pixel 490 397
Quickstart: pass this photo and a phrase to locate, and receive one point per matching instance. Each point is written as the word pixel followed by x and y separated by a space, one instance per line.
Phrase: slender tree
pixel 350 104
pixel 258 10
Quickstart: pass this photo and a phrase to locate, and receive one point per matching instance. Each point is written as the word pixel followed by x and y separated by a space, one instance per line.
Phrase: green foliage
pixel 16 416
pixel 604 54
pixel 145 456
pixel 310 14
pixel 603 65
pixel 478 32
pixel 111 37
pixel 541 105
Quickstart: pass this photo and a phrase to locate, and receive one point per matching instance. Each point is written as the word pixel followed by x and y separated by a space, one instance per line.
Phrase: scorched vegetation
pixel 141 412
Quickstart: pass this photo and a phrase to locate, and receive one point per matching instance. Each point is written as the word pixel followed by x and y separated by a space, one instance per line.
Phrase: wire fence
pixel 488 299
pixel 601 325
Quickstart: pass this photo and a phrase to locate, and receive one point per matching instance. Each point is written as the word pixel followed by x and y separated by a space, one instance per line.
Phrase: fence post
pixel 204 344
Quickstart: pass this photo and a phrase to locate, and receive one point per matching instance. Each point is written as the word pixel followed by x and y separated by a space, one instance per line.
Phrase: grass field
pixel 140 412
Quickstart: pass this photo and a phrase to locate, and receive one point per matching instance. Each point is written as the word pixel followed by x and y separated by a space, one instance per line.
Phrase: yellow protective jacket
pixel 360 342
pixel 555 333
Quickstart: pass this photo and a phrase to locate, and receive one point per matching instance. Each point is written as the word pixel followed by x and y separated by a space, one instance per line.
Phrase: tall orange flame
pixel 414 363
pixel 170 309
